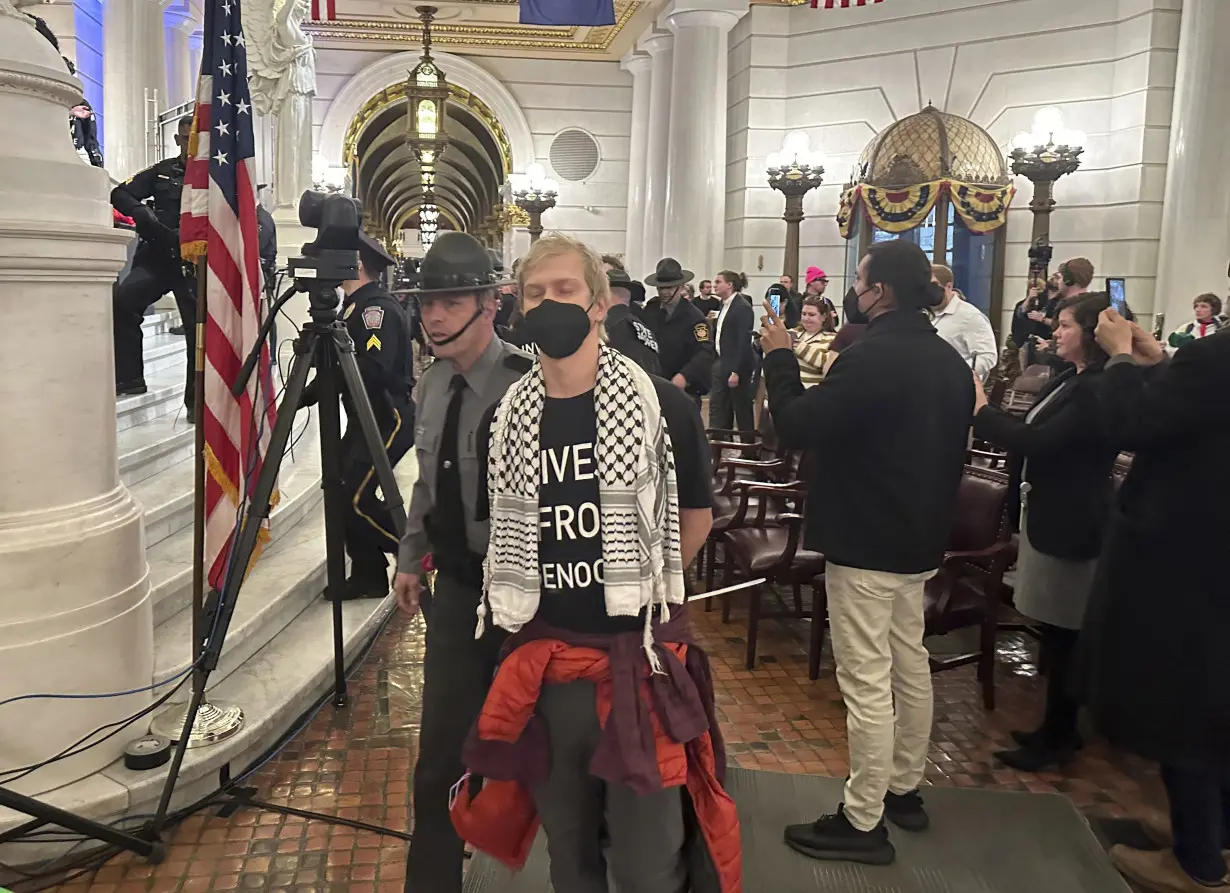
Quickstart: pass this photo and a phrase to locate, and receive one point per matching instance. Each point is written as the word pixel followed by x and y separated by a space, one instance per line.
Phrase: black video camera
pixel 333 258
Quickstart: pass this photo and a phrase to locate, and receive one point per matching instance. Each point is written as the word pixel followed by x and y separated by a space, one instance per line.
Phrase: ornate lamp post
pixel 534 192
pixel 426 98
pixel 794 172
pixel 1044 155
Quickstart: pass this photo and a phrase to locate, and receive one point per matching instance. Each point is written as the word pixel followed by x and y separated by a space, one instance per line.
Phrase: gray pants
pixel 644 836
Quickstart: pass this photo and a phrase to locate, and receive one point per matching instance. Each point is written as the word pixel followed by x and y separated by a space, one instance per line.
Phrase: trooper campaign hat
pixel 618 278
pixel 457 263
pixel 669 273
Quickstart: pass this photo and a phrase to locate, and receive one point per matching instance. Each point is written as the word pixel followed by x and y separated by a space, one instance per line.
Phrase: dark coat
pixel 684 345
pixel 1157 630
pixel 892 419
pixel 1070 460
pixel 735 353
pixel 632 338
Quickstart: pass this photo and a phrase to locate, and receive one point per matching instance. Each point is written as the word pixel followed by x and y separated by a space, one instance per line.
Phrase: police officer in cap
pixel 684 347
pixel 458 296
pixel 624 329
pixel 381 337
pixel 156 266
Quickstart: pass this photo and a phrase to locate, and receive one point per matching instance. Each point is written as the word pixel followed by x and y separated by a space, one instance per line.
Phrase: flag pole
pixel 214 722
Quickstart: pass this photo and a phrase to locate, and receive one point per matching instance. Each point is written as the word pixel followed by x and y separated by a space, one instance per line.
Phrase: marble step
pixel 167 496
pixel 153 446
pixel 170 557
pixel 163 351
pixel 165 397
pixel 275 687
pixel 160 321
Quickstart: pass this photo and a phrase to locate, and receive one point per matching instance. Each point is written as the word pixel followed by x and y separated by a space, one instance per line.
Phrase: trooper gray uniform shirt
pixel 499 366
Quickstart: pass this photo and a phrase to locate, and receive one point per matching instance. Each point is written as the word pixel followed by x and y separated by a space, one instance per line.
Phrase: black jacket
pixel 267 244
pixel 735 352
pixel 1158 622
pixel 627 334
pixel 158 226
pixel 892 419
pixel 684 345
pixel 85 136
pixel 1070 460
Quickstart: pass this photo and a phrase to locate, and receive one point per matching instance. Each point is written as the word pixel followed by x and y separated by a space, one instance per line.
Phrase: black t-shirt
pixel 570 529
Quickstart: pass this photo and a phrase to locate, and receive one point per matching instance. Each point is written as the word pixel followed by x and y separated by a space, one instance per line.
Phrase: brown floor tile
pixel 357 762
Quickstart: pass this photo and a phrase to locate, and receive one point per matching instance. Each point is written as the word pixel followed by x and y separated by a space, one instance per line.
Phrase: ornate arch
pixel 391 70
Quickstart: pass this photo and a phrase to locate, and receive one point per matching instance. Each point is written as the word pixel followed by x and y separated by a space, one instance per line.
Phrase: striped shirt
pixel 811 351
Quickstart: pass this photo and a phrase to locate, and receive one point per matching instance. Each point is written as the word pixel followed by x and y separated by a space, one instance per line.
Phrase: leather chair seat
pixel 726 506
pixel 758 549
pixel 966 604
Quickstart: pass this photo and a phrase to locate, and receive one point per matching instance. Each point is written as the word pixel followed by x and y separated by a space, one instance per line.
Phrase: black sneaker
pixel 176 330
pixel 906 811
pixel 1038 738
pixel 832 837
pixel 131 388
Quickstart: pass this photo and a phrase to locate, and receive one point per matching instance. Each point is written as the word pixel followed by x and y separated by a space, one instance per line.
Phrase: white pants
pixel 876 621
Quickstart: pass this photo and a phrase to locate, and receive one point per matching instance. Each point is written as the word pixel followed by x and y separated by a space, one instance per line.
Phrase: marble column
pixel 124 68
pixel 660 47
pixel 181 76
pixel 156 63
pixel 639 66
pixel 195 43
pixel 1196 213
pixel 695 227
pixel 75 609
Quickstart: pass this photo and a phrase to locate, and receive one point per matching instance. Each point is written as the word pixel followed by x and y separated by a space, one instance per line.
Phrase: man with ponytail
pixel 892 416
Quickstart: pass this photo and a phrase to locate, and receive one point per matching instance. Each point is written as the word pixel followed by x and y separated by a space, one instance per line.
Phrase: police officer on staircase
pixel 458 296
pixel 381 337
pixel 156 266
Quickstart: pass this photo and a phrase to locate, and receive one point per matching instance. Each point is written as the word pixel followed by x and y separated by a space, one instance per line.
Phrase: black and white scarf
pixel 639 500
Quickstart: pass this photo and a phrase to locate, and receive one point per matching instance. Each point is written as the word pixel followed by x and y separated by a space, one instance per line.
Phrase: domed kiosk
pixel 931 167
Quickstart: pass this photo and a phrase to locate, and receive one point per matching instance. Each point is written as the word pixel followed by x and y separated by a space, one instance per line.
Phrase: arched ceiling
pixel 469 174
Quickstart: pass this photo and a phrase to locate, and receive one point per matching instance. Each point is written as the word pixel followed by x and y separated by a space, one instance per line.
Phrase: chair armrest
pixel 733 445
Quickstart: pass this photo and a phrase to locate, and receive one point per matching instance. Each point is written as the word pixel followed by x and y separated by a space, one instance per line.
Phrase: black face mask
pixel 558 329
pixel 854 313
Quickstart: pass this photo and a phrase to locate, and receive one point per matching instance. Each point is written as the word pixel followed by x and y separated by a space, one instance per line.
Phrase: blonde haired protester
pixel 599 496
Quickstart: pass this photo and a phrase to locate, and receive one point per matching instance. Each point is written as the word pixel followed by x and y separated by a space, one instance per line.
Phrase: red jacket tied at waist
pixel 659 730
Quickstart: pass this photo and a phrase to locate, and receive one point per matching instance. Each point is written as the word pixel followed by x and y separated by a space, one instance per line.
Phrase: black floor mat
pixel 980 842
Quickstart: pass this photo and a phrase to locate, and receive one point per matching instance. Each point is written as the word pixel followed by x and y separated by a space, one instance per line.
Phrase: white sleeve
pixel 979 340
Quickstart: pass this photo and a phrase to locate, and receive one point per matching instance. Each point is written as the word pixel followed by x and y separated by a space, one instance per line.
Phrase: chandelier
pixel 426 98
pixel 429 224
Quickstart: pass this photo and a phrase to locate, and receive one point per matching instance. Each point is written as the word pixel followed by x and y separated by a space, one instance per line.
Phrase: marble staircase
pixel 278 659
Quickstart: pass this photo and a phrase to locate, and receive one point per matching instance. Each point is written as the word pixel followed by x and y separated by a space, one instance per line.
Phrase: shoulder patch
pixel 373 317
pixel 701 331
pixel 349 310
pixel 373 342
pixel 643 334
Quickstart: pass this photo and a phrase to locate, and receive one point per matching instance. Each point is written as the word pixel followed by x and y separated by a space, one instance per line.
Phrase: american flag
pixel 843 4
pixel 218 220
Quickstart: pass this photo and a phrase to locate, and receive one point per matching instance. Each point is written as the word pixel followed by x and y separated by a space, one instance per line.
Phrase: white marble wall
pixel 554 96
pixel 842 76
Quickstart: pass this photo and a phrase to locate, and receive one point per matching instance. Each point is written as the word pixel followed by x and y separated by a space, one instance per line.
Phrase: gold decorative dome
pixel 930 146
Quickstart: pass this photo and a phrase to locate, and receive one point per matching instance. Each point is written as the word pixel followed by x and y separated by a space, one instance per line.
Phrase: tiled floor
pixel 356 764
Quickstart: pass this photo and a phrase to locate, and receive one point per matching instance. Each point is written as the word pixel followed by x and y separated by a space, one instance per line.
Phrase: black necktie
pixel 448 473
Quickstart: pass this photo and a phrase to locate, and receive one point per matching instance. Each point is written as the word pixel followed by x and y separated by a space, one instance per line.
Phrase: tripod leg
pixel 335 518
pixel 241 555
pixel 150 849
pixel 371 435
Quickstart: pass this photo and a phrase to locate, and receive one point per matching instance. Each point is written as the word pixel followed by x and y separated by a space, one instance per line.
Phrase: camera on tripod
pixel 333 258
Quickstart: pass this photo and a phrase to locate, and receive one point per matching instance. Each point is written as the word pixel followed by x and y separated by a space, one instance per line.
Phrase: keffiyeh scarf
pixel 639 500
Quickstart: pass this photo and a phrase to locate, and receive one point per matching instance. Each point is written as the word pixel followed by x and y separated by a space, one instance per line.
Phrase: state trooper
pixel 458 296
pixel 685 349
pixel 381 336
pixel 156 266
pixel 625 330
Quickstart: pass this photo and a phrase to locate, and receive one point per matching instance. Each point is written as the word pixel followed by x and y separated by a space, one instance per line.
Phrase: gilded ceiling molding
pixel 598 40
pixel 394 95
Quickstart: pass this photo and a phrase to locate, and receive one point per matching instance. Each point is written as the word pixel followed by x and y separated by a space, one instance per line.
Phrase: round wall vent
pixel 574 155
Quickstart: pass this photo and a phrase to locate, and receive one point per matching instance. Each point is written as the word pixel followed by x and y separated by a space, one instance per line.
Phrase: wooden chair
pixel 767 548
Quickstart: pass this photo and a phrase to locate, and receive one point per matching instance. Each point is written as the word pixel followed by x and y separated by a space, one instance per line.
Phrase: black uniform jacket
pixel 631 337
pixel 684 343
pixel 158 227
